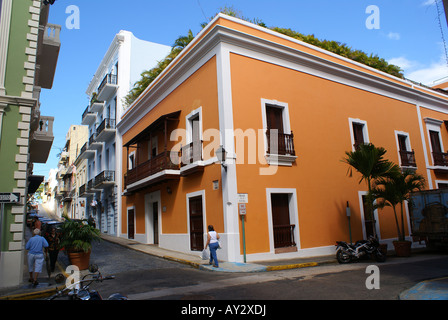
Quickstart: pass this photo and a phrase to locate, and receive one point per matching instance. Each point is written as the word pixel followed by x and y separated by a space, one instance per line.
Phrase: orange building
pixel 233 82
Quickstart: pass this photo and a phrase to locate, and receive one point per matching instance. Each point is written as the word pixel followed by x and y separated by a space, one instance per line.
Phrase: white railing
pixel 52 33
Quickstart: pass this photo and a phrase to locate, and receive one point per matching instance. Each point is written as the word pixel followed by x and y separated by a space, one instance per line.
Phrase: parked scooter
pixel 81 289
pixel 346 253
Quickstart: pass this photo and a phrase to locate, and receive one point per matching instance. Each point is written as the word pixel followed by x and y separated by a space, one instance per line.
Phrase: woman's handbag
pixel 219 244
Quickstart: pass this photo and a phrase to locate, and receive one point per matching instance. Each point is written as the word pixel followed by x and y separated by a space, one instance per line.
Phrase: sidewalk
pixel 427 290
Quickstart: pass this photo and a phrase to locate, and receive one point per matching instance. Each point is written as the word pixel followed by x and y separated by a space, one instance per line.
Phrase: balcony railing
pixel 88 116
pixel 106 124
pixel 82 190
pixel 107 86
pixel 104 177
pixel 440 159
pixel 156 164
pixel 192 152
pixel 284 236
pixel 407 158
pixel 283 145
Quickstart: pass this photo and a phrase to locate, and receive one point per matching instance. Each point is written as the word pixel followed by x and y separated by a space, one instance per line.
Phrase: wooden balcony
pixel 160 168
pixel 191 158
pixel 440 159
pixel 283 145
pixel 407 158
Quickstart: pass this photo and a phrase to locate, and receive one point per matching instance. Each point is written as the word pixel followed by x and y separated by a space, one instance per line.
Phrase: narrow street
pixel 145 277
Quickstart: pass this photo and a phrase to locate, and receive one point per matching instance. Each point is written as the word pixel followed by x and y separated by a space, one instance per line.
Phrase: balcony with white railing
pixel 41 140
pixel 48 53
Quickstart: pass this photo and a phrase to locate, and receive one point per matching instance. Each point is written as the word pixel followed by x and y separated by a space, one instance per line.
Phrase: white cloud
pixel 429 74
pixel 422 73
pixel 403 63
pixel 393 36
pixel 429 2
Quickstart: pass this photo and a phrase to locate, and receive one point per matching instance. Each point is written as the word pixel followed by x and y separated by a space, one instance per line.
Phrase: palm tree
pixel 369 161
pixel 395 189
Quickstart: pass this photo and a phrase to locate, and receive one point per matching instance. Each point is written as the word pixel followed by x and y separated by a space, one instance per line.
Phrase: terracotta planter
pixel 383 248
pixel 402 248
pixel 79 259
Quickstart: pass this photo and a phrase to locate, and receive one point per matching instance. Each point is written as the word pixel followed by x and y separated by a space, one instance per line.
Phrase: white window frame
pixel 408 143
pixel 189 126
pixel 130 166
pixel 434 125
pixel 276 159
pixel 204 214
pixel 365 131
pixel 375 215
pixel 293 214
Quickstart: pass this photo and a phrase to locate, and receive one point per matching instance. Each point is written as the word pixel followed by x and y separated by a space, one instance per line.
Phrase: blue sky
pixel 408 35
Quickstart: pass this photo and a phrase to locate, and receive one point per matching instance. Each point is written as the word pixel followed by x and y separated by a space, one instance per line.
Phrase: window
pixel 153 147
pixel 406 155
pixel 131 160
pixel 279 139
pixel 192 151
pixel 359 133
pixel 439 157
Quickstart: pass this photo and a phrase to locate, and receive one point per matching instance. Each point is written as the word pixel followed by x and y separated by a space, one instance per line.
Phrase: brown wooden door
pixel 155 212
pixel 131 226
pixel 369 218
pixel 358 134
pixel 196 224
pixel 274 121
pixel 283 230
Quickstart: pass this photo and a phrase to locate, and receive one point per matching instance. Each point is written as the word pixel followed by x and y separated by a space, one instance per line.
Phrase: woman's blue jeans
pixel 213 247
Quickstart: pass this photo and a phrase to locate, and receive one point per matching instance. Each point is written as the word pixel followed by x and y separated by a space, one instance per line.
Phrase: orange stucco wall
pixel 199 90
pixel 319 113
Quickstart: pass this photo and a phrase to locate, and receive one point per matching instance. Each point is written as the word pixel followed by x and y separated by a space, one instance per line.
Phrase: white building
pixel 121 67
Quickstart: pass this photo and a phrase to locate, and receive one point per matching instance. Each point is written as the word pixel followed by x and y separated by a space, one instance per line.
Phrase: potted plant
pixel 77 237
pixel 393 190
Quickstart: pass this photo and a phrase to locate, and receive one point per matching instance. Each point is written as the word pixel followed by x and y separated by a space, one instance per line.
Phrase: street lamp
pixel 221 154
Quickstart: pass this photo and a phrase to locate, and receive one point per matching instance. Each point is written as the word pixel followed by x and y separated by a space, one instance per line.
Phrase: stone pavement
pixel 436 289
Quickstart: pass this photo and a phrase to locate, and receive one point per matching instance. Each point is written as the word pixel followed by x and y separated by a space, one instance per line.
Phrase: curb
pixel 36 294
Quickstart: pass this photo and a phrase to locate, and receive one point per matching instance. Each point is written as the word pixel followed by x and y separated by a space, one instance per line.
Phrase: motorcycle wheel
pixel 379 256
pixel 343 257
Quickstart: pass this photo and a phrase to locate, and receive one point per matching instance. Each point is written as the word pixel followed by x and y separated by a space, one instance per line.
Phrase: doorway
pixel 196 223
pixel 131 223
pixel 155 219
pixel 283 229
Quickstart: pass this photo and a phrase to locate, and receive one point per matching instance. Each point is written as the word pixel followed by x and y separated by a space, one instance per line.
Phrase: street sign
pixel 243 198
pixel 242 208
pixel 9 197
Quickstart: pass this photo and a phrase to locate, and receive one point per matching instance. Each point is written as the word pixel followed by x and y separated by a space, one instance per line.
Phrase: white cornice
pixel 259 48
pixel 19 101
pixel 105 62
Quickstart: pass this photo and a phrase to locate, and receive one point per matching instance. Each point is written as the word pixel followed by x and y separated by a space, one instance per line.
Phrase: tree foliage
pixel 147 77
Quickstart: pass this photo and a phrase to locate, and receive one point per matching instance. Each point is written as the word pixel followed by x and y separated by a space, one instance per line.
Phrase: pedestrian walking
pixel 54 241
pixel 35 247
pixel 36 224
pixel 213 244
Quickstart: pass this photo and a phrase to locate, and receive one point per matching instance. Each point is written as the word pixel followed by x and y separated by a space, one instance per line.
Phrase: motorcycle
pixel 346 253
pixel 81 290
